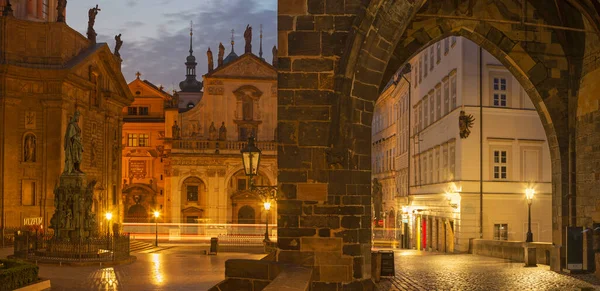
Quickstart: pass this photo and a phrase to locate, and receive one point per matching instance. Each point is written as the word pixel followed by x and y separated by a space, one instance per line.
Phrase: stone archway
pixel 332 70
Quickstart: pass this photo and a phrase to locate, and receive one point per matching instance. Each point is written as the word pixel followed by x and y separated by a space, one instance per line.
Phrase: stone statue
pixel 29 147
pixel 465 122
pixel 69 216
pixel 377 199
pixel 275 58
pixel 93 152
pixel 73 146
pixel 248 38
pixel 211 65
pixel 118 44
pixel 60 9
pixel 220 55
pixel 212 131
pixel 222 132
pixel 92 13
pixel 176 131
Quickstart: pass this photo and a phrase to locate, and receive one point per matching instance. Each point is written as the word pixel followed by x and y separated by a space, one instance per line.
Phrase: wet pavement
pixel 417 270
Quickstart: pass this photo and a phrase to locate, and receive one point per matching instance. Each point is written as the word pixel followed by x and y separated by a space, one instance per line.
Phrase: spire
pixel 232 40
pixel 191 35
pixel 260 52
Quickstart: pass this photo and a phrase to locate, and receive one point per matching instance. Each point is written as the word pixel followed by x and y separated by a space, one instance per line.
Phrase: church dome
pixel 231 57
pixel 191 59
pixel 190 85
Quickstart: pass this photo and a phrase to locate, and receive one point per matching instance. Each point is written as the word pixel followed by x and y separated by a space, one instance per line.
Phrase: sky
pixel 155 33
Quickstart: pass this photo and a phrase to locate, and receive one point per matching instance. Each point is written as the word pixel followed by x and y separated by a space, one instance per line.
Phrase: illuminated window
pixel 144 140
pixel 192 193
pixel 500 164
pixel 501 231
pixel 132 140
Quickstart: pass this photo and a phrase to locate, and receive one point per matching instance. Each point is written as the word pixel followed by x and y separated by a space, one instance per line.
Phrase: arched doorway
pixel 193 199
pixel 137 213
pixel 246 215
pixel 139 199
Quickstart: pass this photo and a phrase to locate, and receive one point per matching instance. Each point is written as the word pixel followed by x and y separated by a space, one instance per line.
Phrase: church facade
pixel 48 71
pixel 193 155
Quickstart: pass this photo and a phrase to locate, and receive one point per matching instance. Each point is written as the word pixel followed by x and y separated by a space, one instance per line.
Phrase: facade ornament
pixel 275 58
pixel 377 199
pixel 73 146
pixel 211 65
pixel 222 132
pixel 176 130
pixel 60 10
pixel 465 122
pixel 220 55
pixel 118 44
pixel 91 33
pixel 29 148
pixel 212 131
pixel 248 38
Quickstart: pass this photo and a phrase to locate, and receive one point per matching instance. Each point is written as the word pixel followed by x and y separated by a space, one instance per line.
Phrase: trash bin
pixel 214 244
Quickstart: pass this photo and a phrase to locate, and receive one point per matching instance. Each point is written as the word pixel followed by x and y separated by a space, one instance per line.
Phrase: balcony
pixel 225 147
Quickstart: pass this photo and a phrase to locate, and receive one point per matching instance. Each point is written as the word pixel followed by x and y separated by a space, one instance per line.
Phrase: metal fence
pixel 30 246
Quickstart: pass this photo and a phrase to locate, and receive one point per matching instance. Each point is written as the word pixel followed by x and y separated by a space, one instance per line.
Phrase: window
pixel 426 111
pixel 132 140
pixel 445 162
pixel 453 92
pixel 430 179
pixel 416 73
pixel 531 164
pixel 499 91
pixel 438 48
pixel 192 193
pixel 420 69
pixel 432 108
pixel 143 110
pixel 446 45
pixel 501 231
pixel 420 116
pixel 28 193
pixel 241 184
pixel 425 172
pixel 144 140
pixel 131 110
pixel 436 166
pixel 453 40
pixel 446 97
pixel 438 101
pixel 451 166
pixel 426 59
pixel 431 58
pixel 500 164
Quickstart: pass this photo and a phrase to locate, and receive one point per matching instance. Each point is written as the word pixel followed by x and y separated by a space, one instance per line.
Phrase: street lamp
pixel 267 206
pixel 108 216
pixel 156 215
pixel 529 195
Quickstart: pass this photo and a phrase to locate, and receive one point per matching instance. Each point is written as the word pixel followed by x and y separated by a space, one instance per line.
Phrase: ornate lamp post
pixel 156 215
pixel 108 216
pixel 529 194
pixel 251 159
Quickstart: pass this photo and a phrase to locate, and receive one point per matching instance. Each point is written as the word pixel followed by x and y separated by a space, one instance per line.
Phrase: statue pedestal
pixel 73 217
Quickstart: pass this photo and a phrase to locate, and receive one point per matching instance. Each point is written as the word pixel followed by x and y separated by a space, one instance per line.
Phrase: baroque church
pixel 182 149
pixel 48 71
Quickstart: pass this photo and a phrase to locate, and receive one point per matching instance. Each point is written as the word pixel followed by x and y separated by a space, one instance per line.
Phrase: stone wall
pixel 511 250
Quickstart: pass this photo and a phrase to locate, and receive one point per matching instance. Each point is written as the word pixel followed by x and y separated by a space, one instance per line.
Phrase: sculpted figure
pixel 73 146
pixel 60 9
pixel 211 64
pixel 176 130
pixel 92 13
pixel 29 148
pixel 275 58
pixel 465 123
pixel 221 54
pixel 222 132
pixel 118 44
pixel 212 131
pixel 377 198
pixel 248 38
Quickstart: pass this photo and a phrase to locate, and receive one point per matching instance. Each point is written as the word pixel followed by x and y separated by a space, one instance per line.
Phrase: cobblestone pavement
pixel 417 270
pixel 177 268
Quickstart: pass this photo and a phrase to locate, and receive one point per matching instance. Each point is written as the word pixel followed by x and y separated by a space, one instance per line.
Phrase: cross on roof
pixel 138 74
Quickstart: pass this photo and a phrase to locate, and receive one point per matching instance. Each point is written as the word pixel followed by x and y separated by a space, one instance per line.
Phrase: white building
pixel 448 178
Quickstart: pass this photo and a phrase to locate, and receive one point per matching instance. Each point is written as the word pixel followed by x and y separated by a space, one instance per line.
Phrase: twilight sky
pixel 156 32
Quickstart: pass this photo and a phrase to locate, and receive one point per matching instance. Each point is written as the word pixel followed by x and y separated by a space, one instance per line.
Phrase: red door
pixel 424 231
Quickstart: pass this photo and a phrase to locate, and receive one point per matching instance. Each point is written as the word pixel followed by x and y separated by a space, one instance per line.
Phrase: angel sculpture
pixel 465 122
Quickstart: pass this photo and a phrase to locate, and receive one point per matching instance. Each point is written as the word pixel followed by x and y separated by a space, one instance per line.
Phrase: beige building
pixel 197 173
pixel 442 210
pixel 47 71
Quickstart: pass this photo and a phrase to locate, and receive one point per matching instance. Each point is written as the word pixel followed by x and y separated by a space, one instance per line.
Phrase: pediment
pixel 147 90
pixel 247 66
pixel 192 209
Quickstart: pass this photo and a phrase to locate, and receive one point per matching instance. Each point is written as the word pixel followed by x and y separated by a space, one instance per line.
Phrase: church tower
pixel 190 84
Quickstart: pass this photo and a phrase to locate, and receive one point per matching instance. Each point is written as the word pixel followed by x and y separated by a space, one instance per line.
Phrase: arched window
pixel 247 108
pixel 193 190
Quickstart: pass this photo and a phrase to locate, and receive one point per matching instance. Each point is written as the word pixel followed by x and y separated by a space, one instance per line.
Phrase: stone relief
pixel 216 90
pixel 30 120
pixel 29 148
pixel 465 123
pixel 215 82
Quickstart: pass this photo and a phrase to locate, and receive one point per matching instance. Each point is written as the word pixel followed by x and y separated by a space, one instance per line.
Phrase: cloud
pixel 132 3
pixel 161 57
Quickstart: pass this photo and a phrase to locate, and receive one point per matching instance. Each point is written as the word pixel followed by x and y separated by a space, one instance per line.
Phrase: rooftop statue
pixel 248 38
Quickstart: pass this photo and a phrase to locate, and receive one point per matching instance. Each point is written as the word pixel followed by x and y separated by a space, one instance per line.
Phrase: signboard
pixel 32 221
pixel 574 248
pixel 387 263
pixel 137 169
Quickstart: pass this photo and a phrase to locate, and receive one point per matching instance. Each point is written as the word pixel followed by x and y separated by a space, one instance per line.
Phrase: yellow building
pixel 47 71
pixel 197 173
